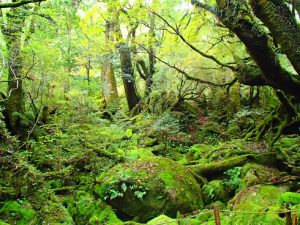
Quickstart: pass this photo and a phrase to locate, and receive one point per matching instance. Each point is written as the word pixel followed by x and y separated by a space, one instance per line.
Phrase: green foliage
pixel 119 186
pixel 167 125
pixel 234 182
pixel 63 48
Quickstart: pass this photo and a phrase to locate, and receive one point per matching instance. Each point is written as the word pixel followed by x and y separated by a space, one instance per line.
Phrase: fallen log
pixel 216 168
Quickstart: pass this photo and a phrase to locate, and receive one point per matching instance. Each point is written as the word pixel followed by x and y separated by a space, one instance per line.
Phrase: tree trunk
pixel 237 17
pixel 12 32
pixel 152 59
pixel 279 19
pixel 128 76
pixel 109 84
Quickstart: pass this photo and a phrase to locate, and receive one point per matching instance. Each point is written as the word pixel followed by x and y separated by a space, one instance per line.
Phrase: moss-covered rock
pixel 260 203
pixel 149 142
pixel 104 215
pixel 162 219
pixel 253 174
pixel 15 212
pixel 148 187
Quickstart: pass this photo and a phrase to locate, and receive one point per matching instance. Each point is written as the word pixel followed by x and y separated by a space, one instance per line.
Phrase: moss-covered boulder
pixel 253 174
pixel 260 203
pixel 162 219
pixel 148 187
pixel 17 212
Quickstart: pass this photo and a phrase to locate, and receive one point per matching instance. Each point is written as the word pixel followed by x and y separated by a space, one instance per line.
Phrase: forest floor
pixel 85 169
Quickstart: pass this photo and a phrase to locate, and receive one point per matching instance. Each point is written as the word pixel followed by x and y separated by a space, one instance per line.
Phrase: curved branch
pixel 18 3
pixel 186 75
pixel 177 32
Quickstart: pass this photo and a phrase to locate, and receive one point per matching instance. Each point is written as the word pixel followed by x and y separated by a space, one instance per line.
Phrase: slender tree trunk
pixel 109 84
pixel 128 76
pixel 88 71
pixel 152 59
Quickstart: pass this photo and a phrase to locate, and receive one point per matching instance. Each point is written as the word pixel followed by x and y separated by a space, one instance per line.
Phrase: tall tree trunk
pixel 152 59
pixel 128 76
pixel 12 32
pixel 109 84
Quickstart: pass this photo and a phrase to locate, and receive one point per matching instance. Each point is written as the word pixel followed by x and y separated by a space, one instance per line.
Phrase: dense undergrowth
pixel 87 169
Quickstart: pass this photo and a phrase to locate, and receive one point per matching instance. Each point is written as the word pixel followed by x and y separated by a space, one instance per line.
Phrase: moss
pixel 18 212
pixel 189 221
pixel 258 199
pixel 289 198
pixel 149 142
pixel 3 223
pixel 205 216
pixel 54 213
pixel 253 174
pixel 197 151
pixel 137 153
pixel 104 215
pixel 161 220
pixel 150 186
pixel 168 179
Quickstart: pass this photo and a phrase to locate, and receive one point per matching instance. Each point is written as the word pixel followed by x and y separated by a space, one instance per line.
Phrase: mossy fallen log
pixel 216 168
pixel 102 153
pixel 219 167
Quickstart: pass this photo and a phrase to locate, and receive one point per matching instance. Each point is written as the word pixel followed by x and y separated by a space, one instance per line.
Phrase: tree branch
pixel 177 32
pixel 209 8
pixel 18 3
pixel 187 76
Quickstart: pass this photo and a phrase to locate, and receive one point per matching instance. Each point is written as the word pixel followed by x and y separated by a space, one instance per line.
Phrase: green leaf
pixel 124 187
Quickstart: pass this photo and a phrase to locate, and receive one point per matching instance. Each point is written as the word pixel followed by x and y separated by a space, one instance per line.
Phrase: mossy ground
pixel 85 164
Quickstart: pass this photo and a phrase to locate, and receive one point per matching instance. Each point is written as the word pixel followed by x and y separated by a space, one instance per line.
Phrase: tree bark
pixel 280 21
pixel 12 32
pixel 128 76
pixel 151 55
pixel 109 84
pixel 237 17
